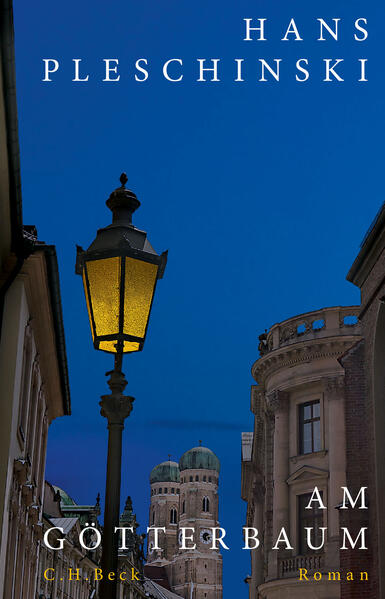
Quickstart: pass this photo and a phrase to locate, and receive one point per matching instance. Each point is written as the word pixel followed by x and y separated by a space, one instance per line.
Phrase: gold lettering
pixel 334 575
pixel 45 573
pixel 302 573
pixel 134 575
pixel 362 576
pixel 73 576
pixel 98 574
pixel 111 576
pixel 317 576
pixel 122 578
pixel 350 576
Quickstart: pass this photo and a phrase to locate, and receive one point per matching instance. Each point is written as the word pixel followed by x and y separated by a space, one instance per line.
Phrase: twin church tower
pixel 186 495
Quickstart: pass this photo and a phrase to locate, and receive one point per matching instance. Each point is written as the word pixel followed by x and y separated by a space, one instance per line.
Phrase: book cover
pixel 192 255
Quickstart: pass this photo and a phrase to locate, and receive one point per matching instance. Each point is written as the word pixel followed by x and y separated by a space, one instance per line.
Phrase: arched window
pixel 183 506
pixel 153 517
pixel 205 504
pixel 173 516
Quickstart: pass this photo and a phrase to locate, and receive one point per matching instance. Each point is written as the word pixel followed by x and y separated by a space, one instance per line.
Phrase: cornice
pixel 299 353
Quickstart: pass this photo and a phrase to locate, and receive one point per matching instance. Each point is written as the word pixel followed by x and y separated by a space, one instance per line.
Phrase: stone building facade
pixel 34 390
pixel 33 366
pixel 299 443
pixel 366 425
pixel 186 495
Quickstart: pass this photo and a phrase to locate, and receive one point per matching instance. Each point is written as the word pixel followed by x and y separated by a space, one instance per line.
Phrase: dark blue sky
pixel 260 191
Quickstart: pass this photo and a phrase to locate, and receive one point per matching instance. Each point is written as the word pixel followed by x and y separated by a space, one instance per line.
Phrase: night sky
pixel 261 192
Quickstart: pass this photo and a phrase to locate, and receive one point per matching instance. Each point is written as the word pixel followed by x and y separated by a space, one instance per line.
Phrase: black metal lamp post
pixel 119 270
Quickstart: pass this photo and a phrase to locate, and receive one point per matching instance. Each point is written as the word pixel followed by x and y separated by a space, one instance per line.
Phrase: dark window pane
pixel 309 427
pixel 307 447
pixel 317 436
pixel 312 518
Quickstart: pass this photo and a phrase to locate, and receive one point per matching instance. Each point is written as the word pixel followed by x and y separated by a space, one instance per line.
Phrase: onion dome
pixel 65 499
pixel 199 458
pixel 166 472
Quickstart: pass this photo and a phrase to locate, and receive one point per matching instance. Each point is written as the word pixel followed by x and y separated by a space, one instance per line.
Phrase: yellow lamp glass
pixel 140 279
pixel 104 290
pixel 104 285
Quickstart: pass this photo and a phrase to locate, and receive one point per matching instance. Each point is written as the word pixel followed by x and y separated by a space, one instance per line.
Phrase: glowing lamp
pixel 120 270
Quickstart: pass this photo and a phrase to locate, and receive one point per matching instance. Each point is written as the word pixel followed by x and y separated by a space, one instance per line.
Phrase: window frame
pixel 301 523
pixel 301 424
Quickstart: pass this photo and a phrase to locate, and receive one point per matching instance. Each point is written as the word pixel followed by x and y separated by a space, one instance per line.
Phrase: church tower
pixel 164 511
pixel 185 495
pixel 197 573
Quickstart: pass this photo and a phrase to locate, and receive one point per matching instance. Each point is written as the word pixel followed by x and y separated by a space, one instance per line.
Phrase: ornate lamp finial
pixel 123 179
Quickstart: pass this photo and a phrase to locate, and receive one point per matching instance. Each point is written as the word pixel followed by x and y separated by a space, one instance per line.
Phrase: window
pixel 153 517
pixel 204 479
pixel 205 504
pixel 191 479
pixel 309 427
pixel 309 518
pixel 159 491
pixel 165 490
pixel 209 479
pixel 197 478
pixel 173 516
pixel 177 491
pixel 25 384
pixel 172 490
pixel 183 506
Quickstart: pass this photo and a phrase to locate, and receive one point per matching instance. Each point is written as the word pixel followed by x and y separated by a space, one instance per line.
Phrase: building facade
pixel 33 366
pixel 298 443
pixel 34 391
pixel 367 443
pixel 185 495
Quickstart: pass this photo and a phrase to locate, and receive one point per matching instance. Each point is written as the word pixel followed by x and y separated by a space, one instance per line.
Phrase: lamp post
pixel 120 270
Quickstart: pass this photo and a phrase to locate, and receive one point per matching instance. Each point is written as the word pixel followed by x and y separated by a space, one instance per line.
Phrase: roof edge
pixel 364 262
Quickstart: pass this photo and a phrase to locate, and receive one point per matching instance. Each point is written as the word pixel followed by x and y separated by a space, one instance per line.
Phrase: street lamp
pixel 120 270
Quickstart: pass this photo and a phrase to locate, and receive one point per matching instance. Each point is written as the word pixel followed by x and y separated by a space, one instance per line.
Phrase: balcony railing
pixel 289 567
pixel 328 322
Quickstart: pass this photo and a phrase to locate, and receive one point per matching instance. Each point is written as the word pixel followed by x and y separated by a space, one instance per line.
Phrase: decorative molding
pixel 277 401
pixel 299 353
pixel 334 387
pixel 256 400
pixel 300 458
pixel 315 473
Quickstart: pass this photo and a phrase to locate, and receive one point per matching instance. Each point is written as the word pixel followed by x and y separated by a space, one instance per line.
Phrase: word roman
pixel 217 534
pixel 211 69
pixel 331 576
